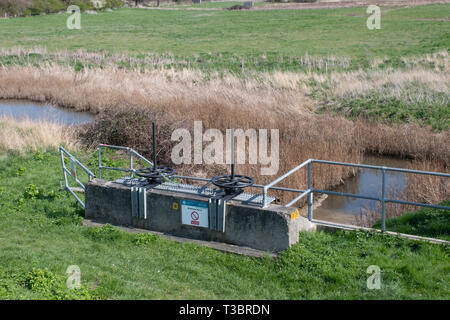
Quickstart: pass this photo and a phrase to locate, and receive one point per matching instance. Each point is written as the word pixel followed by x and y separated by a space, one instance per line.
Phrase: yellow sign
pixel 175 205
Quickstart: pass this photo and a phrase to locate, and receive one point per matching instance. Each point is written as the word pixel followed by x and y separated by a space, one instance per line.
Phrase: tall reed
pixel 27 135
pixel 274 100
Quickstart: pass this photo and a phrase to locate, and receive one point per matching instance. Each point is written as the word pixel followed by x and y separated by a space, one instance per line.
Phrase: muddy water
pixel 21 110
pixel 367 182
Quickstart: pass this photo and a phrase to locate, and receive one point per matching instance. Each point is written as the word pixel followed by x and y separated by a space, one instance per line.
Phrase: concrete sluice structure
pixel 188 211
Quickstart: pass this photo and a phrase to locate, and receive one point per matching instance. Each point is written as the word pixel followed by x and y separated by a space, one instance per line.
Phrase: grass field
pixel 337 32
pixel 248 69
pixel 41 235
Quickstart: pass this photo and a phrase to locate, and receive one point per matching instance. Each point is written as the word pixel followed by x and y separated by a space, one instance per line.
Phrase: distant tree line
pixel 35 7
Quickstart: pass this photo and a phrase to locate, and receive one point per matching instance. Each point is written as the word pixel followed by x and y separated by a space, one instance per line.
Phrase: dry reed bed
pixel 222 101
pixel 28 135
pixel 273 100
pixel 407 141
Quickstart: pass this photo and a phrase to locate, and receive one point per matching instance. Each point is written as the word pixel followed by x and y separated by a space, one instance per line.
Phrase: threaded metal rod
pixel 232 154
pixel 154 146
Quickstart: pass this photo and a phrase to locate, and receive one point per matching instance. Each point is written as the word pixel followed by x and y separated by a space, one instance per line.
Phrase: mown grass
pixel 427 222
pixel 41 235
pixel 276 34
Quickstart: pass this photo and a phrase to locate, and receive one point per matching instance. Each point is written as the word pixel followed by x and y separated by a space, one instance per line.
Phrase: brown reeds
pixel 406 141
pixel 28 135
pixel 269 101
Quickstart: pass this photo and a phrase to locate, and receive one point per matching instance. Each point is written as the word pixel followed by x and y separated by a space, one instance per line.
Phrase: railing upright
pixel 73 175
pixel 132 154
pixel 100 161
pixel 310 195
pixel 383 199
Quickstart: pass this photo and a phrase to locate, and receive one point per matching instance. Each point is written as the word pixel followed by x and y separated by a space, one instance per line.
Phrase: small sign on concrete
pixel 194 213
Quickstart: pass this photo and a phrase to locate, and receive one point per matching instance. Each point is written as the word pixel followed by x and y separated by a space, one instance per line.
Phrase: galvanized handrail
pixel 131 169
pixel 132 153
pixel 309 191
pixel 381 199
pixel 73 163
pixel 279 179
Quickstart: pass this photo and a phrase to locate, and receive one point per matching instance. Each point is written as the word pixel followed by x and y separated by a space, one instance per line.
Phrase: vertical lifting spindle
pixel 232 154
pixel 131 163
pixel 231 184
pixel 155 174
pixel 155 166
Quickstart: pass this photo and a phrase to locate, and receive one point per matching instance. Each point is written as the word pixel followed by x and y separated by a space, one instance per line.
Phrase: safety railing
pixel 72 172
pixel 132 153
pixel 132 170
pixel 383 199
pixel 301 193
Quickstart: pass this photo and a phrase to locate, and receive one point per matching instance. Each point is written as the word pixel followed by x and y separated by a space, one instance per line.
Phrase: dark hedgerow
pixel 20 8
pixel 131 126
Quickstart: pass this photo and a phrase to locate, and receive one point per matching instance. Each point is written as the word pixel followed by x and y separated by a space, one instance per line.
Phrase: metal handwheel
pixel 232 182
pixel 155 174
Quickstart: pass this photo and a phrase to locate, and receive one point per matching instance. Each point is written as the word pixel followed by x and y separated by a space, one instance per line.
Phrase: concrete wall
pixel 271 229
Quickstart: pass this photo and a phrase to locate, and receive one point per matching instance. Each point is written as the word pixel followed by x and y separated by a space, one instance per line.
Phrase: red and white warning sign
pixel 194 213
pixel 194 218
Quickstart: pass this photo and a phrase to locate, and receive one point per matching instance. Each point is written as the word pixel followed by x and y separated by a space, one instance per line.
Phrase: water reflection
pixel 366 182
pixel 21 110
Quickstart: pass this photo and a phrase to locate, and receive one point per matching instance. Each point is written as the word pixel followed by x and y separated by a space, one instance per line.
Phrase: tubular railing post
pixel 310 195
pixel 74 162
pixel 131 164
pixel 383 199
pixel 100 161
pixel 63 166
pixel 264 196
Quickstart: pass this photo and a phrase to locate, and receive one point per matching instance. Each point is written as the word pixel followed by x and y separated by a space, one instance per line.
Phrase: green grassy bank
pixel 41 235
pixel 427 222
